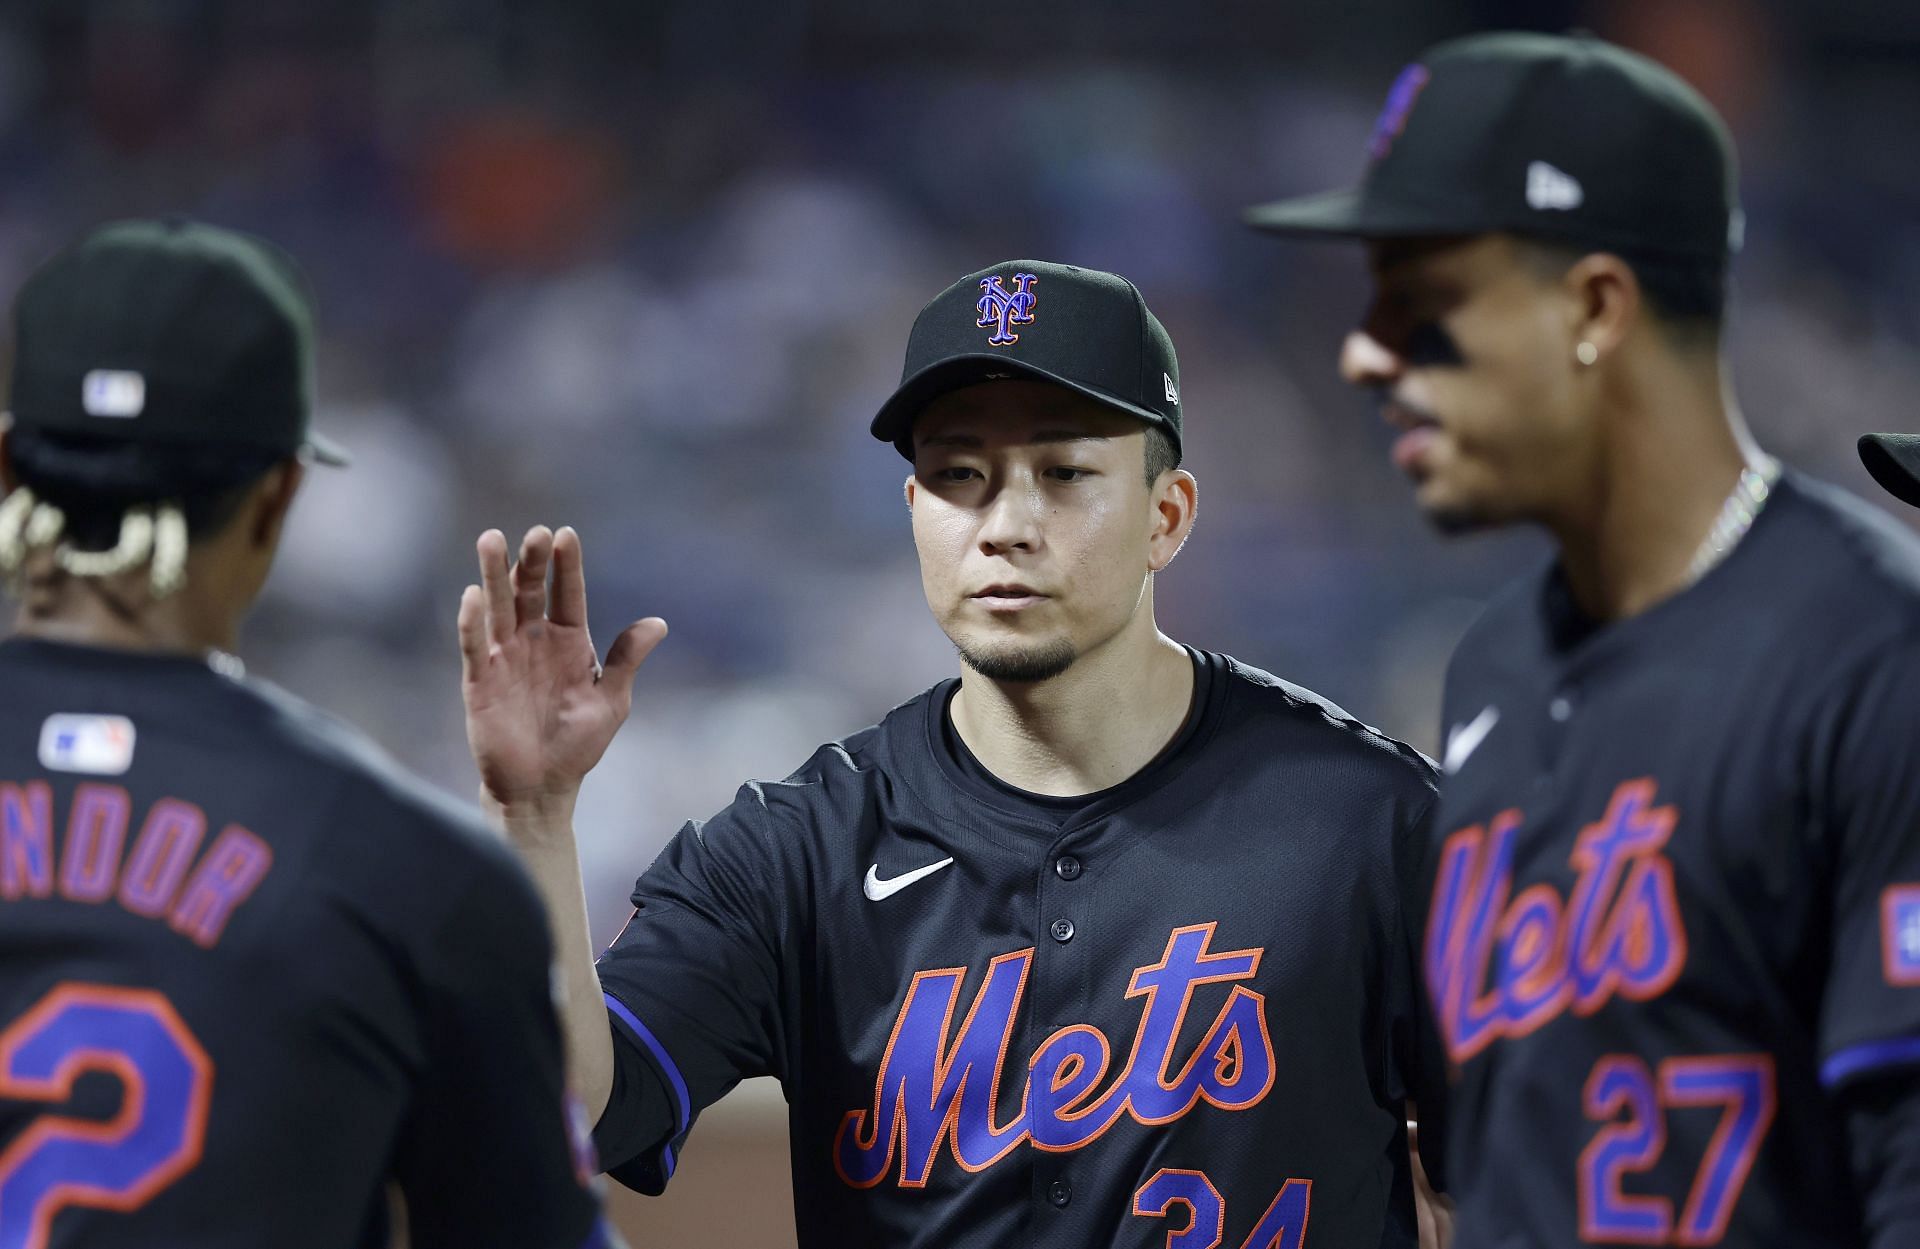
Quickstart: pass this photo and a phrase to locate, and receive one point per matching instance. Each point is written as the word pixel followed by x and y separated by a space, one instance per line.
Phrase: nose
pixel 1366 361
pixel 1012 519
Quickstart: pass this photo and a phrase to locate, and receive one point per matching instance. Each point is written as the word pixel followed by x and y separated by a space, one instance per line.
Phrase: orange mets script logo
pixel 937 1088
pixel 1500 967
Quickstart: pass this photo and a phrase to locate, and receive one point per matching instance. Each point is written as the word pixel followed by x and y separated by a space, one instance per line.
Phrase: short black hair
pixel 95 481
pixel 1161 453
pixel 1688 294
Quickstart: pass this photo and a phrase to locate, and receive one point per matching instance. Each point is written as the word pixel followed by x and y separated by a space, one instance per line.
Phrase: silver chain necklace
pixel 1750 495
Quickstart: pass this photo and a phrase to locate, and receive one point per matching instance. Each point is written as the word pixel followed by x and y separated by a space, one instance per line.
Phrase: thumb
pixel 629 651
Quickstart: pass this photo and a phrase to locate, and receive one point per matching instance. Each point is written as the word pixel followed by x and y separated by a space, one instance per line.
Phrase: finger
pixel 472 625
pixel 530 576
pixel 496 584
pixel 629 651
pixel 568 606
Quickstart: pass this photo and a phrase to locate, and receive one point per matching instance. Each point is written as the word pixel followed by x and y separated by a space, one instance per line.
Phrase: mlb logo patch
pixel 94 745
pixel 119 393
pixel 1900 934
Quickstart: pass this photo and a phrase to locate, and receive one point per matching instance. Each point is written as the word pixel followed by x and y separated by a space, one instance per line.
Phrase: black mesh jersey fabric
pixel 1187 1001
pixel 1677 904
pixel 250 972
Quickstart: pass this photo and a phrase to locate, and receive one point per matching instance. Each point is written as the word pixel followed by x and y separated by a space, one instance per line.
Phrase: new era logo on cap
pixel 113 392
pixel 94 745
pixel 1552 190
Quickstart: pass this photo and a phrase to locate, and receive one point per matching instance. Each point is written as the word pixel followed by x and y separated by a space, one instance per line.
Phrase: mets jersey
pixel 1675 923
pixel 1183 1010
pixel 250 973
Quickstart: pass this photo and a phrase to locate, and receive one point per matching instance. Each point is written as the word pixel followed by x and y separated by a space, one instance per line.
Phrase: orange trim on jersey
pixel 161 856
pixel 96 834
pixel 58 1088
pixel 1177 1237
pixel 26 840
pixel 1717 1146
pixel 1604 1109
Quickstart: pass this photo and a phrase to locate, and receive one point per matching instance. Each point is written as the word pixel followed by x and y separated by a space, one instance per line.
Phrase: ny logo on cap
pixel 1393 115
pixel 1002 311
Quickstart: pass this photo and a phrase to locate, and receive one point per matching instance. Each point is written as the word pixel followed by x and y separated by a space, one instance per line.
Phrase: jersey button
pixel 1561 709
pixel 1067 867
pixel 1063 930
pixel 1060 1193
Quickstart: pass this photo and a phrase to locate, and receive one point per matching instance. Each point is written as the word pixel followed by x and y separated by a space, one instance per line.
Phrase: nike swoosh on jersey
pixel 1466 738
pixel 876 889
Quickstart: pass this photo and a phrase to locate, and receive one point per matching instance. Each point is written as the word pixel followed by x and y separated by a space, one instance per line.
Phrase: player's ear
pixel 272 500
pixel 1176 502
pixel 909 489
pixel 1605 302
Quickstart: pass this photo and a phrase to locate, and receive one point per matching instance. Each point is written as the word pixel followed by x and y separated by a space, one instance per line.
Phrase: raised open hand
pixel 540 708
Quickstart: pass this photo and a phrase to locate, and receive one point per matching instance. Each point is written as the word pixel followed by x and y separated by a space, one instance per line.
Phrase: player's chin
pixel 1022 661
pixel 1454 512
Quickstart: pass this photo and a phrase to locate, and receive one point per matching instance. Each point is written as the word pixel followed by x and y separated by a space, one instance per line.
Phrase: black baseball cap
pixel 1084 329
pixel 1560 137
pixel 169 333
pixel 1894 461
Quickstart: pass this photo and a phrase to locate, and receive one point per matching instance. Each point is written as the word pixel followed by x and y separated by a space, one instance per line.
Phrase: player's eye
pixel 955 474
pixel 1067 472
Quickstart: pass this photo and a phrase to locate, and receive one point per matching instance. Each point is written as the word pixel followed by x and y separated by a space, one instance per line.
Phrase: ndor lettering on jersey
pixel 1502 966
pixel 940 1088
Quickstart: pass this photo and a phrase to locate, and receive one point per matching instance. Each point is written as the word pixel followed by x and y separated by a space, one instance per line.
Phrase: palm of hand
pixel 540 713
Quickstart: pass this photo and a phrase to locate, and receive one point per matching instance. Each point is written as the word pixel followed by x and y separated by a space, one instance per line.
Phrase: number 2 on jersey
pixel 1740 1084
pixel 1283 1226
pixel 166 1082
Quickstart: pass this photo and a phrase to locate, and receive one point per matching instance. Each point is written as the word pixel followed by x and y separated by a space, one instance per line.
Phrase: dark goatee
pixel 1023 664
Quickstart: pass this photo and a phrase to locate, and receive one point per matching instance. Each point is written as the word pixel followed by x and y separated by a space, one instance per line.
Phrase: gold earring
pixel 1586 353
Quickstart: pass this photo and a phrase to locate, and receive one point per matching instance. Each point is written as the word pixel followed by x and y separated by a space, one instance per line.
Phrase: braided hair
pixel 106 506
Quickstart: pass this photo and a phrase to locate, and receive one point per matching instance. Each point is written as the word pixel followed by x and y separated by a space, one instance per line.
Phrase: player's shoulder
pixel 1300 724
pixel 845 774
pixel 1846 550
pixel 380 808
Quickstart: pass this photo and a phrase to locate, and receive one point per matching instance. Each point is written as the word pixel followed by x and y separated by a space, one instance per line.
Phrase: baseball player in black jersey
pixel 1104 943
pixel 242 985
pixel 1673 944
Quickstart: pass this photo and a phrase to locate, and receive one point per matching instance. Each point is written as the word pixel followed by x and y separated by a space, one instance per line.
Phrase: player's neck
pixel 1088 729
pixel 119 615
pixel 1629 540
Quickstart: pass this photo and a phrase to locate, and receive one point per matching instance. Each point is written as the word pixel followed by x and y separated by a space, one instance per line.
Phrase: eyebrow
pixel 1040 437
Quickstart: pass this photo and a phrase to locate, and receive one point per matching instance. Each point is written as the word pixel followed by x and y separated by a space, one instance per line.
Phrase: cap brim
pixel 894 422
pixel 1350 214
pixel 323 450
pixel 1894 461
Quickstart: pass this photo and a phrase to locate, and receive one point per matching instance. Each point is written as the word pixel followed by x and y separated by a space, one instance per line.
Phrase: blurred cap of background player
pixel 158 369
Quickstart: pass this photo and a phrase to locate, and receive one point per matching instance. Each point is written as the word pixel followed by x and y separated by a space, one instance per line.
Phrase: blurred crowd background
pixel 647 268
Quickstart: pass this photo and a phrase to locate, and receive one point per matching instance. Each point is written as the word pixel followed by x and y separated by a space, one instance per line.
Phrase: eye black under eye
pixel 1428 344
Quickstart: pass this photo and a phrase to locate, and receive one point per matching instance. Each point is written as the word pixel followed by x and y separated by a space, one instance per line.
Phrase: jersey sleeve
pixel 694 984
pixel 489 1155
pixel 1870 1011
pixel 1883 1137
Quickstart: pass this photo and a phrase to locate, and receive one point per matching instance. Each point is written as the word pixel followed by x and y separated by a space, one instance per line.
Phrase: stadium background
pixel 647 268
